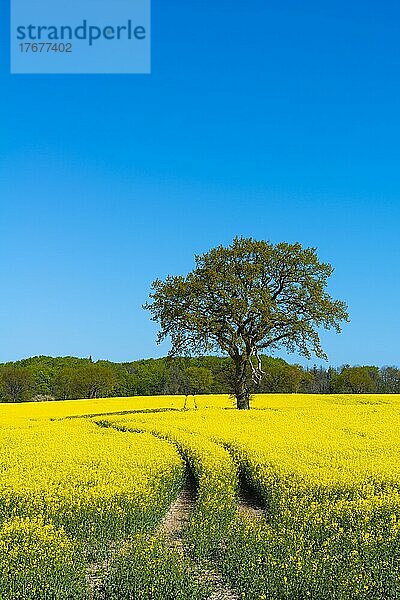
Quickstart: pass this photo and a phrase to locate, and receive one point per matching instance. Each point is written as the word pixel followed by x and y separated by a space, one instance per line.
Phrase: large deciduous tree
pixel 244 299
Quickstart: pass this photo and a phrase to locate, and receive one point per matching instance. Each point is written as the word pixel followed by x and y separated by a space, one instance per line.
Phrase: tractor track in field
pixel 249 503
pixel 95 574
pixel 178 515
pixel 119 413
pixel 172 528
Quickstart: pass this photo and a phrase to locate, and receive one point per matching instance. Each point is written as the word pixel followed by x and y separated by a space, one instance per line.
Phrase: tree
pixel 356 380
pixel 97 379
pixel 67 383
pixel 89 380
pixel 200 380
pixel 16 383
pixel 390 380
pixel 175 377
pixel 281 377
pixel 243 299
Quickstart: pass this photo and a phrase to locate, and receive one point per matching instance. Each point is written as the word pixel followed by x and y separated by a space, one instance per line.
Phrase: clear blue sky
pixel 275 120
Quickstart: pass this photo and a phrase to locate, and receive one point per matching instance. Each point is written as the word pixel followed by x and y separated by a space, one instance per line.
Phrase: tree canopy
pixel 244 299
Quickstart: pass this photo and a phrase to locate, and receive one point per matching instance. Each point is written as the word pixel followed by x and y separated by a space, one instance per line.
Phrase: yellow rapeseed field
pixel 326 469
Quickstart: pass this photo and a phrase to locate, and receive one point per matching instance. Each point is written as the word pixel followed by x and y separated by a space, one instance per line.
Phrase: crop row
pixel 97 484
pixel 216 479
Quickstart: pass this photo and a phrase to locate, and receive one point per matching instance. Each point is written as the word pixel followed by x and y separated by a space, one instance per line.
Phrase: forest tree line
pixel 45 378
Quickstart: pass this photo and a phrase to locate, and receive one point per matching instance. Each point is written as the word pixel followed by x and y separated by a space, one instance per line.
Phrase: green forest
pixel 44 378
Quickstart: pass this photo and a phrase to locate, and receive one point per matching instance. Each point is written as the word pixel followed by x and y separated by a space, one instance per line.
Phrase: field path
pixel 173 525
pixel 95 574
pixel 221 590
pixel 178 515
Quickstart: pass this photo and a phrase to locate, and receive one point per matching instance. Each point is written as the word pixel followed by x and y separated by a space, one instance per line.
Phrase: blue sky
pixel 280 121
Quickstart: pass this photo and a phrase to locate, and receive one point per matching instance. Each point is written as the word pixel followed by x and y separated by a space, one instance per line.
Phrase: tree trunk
pixel 242 392
pixel 243 401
